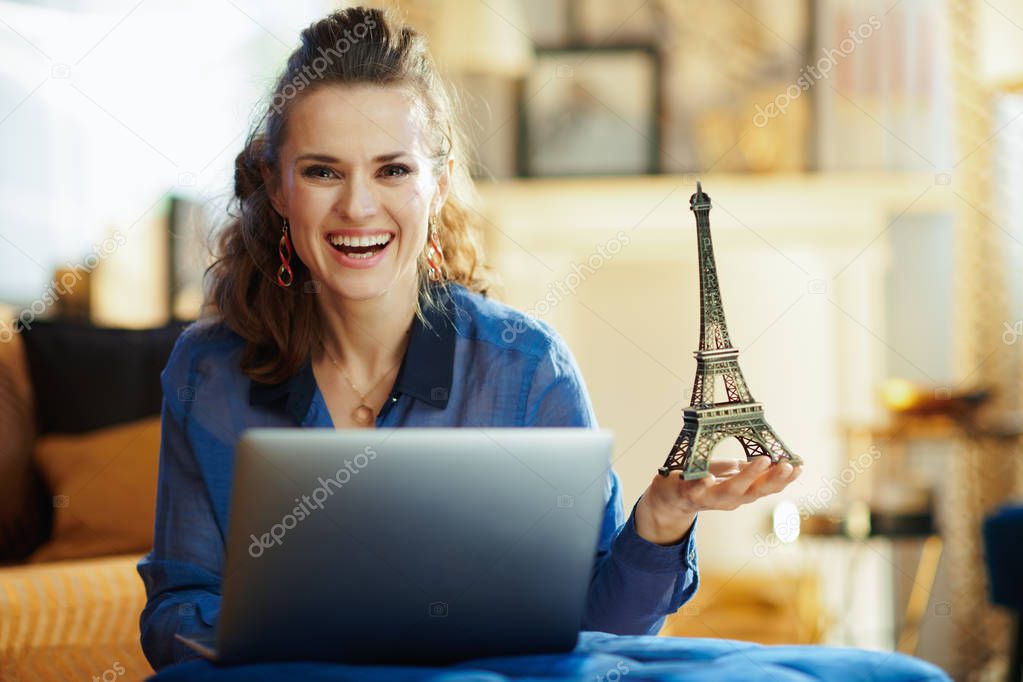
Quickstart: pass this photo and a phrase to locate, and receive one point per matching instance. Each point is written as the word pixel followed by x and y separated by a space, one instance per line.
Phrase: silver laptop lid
pixel 410 545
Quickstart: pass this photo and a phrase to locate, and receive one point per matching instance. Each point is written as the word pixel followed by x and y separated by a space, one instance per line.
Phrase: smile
pixel 359 251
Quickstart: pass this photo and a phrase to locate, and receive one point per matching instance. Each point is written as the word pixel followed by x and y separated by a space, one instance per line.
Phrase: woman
pixel 349 292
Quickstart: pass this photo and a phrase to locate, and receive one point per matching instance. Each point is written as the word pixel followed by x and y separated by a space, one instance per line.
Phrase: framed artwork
pixel 187 256
pixel 720 73
pixel 590 111
pixel 726 68
pixel 548 22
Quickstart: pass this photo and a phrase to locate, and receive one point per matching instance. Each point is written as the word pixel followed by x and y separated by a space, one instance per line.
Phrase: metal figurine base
pixel 706 423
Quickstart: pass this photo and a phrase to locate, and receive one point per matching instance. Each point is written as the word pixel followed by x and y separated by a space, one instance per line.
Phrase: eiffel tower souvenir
pixel 706 422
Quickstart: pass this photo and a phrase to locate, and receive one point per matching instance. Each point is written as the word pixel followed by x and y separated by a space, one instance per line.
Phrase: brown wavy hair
pixel 356 45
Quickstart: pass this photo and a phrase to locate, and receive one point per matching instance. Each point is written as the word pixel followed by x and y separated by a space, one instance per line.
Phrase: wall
pixel 803 280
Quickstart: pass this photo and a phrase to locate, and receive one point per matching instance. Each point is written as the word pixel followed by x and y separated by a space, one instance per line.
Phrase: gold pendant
pixel 362 415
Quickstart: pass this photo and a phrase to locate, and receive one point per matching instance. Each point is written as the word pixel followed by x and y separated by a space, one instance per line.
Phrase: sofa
pixel 79 414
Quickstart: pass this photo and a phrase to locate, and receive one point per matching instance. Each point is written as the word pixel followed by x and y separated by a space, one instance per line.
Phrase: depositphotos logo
pixel 308 503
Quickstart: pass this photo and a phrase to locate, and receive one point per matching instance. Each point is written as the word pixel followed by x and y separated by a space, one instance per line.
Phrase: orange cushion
pixel 104 488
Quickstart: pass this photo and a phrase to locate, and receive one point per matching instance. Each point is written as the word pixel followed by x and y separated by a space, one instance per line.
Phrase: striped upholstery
pixel 72 620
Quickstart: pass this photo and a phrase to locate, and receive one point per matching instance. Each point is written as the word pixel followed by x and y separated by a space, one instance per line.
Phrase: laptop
pixel 411 546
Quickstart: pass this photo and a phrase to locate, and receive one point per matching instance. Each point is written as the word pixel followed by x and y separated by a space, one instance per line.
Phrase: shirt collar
pixel 426 370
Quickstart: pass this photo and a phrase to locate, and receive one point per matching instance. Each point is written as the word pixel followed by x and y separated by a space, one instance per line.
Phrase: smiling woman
pixel 351 184
pixel 354 261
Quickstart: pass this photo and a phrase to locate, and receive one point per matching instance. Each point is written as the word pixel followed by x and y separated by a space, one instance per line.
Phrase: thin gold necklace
pixel 362 415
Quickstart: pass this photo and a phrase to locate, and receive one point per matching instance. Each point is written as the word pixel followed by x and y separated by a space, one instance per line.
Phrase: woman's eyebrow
pixel 389 157
pixel 326 158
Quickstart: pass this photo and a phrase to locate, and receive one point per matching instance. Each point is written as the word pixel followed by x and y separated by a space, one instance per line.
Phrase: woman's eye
pixel 396 170
pixel 318 172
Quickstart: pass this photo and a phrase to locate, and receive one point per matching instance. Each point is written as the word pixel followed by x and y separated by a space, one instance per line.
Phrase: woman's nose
pixel 358 202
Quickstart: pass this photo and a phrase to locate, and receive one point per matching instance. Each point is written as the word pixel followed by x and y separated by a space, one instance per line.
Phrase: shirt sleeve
pixel 635 584
pixel 182 572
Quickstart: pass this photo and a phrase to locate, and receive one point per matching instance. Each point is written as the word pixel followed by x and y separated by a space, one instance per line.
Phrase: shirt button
pixel 692 556
pixel 394 398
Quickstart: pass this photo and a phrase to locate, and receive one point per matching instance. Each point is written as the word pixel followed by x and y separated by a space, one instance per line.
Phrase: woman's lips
pixel 359 263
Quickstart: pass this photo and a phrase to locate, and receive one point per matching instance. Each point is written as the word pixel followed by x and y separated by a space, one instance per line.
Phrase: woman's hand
pixel 667 509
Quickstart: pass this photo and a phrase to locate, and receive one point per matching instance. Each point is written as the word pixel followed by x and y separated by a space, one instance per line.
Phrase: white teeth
pixel 338 240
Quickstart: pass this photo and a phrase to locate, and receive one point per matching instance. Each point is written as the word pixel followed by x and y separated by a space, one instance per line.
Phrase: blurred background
pixel 860 156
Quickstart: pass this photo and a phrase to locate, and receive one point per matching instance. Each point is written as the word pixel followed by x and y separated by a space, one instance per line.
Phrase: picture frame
pixel 187 253
pixel 586 111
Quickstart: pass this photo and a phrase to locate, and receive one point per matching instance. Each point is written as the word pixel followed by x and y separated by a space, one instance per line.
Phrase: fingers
pixel 757 479
pixel 695 491
pixel 774 481
pixel 731 484
pixel 741 482
pixel 727 493
pixel 726 468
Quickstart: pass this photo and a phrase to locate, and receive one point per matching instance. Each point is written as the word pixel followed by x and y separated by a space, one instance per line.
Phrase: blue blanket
pixel 602 657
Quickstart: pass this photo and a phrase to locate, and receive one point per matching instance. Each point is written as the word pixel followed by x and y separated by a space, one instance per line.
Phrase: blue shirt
pixel 477 363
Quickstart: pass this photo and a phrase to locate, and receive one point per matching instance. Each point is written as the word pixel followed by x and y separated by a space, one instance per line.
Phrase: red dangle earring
pixel 284 274
pixel 435 255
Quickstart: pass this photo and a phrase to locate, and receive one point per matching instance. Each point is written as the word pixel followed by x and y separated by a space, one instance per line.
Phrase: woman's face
pixel 355 174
